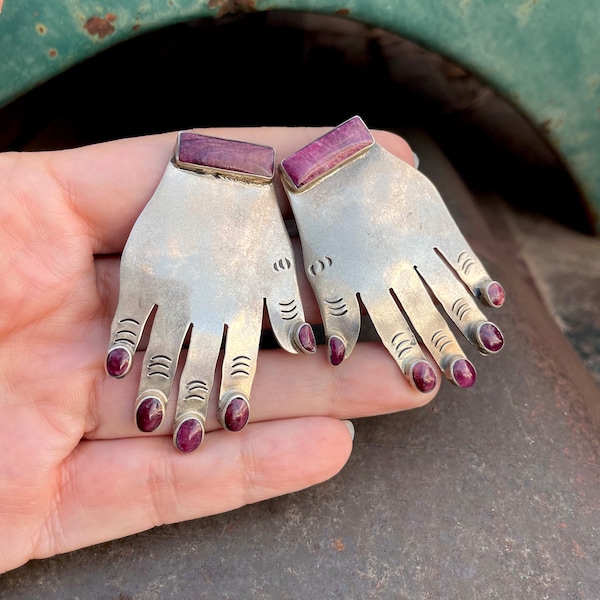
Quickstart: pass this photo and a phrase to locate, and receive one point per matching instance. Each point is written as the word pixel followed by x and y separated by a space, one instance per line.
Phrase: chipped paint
pixel 524 10
pixel 41 29
pixel 592 83
pixel 552 124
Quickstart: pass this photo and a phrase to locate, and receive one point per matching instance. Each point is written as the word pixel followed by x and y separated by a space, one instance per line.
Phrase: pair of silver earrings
pixel 211 249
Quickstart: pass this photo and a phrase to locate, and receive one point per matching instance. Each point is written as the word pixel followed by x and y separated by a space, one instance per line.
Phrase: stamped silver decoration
pixel 207 251
pixel 375 230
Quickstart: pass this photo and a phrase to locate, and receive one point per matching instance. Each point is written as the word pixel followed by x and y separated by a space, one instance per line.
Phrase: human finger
pixel 121 487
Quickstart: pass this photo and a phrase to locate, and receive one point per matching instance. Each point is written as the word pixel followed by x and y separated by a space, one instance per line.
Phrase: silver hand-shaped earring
pixel 205 254
pixel 374 229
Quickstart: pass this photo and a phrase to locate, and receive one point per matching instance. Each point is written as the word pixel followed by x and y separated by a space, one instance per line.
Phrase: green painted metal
pixel 542 55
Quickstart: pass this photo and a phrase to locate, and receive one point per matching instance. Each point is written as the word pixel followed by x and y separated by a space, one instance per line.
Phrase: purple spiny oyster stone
pixel 306 339
pixel 463 373
pixel 237 414
pixel 225 155
pixel 149 414
pixel 495 294
pixel 327 152
pixel 337 350
pixel 423 376
pixel 189 435
pixel 118 361
pixel 490 337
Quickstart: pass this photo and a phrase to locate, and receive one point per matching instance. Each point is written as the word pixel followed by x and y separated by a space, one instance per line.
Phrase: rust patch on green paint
pixel 100 26
pixel 229 7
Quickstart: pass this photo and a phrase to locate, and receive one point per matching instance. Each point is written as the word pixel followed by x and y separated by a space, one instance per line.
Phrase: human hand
pixel 373 227
pixel 74 468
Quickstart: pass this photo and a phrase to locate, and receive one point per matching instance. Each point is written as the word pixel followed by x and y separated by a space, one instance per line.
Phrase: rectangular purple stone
pixel 196 151
pixel 327 152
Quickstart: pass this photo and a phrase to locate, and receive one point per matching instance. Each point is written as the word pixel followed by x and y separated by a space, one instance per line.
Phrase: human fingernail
pixel 350 427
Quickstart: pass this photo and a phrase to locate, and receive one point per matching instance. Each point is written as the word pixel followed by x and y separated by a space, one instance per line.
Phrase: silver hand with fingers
pixel 375 230
pixel 205 254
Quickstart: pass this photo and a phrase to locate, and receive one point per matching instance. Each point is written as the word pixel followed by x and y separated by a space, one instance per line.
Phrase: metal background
pixel 542 56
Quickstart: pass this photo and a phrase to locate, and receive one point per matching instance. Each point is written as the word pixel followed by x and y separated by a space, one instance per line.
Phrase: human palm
pixel 74 468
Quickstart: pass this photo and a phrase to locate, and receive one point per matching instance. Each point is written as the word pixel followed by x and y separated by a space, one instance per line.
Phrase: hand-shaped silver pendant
pixel 375 230
pixel 205 254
